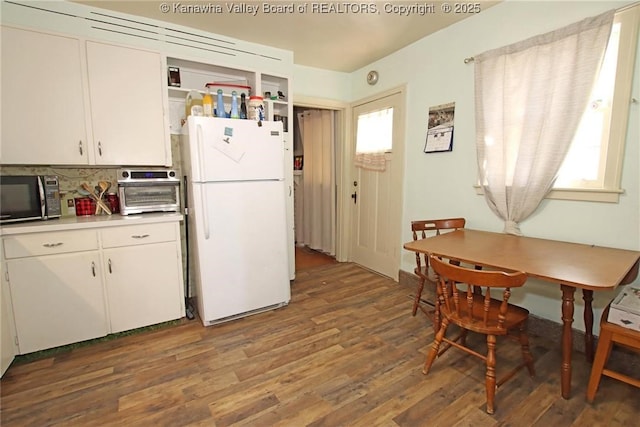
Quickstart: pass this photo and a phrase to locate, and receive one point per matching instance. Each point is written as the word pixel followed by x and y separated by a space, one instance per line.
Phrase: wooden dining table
pixel 571 265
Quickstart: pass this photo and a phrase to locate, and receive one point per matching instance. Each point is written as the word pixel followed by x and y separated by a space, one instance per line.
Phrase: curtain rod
pixel 623 8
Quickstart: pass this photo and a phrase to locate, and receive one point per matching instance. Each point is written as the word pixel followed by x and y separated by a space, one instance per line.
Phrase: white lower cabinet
pixel 8 346
pixel 71 286
pixel 143 280
pixel 57 299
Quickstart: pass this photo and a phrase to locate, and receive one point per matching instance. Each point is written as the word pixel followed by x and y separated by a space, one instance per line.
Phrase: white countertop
pixel 84 222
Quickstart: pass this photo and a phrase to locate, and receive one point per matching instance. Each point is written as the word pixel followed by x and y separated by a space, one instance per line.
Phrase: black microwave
pixel 29 197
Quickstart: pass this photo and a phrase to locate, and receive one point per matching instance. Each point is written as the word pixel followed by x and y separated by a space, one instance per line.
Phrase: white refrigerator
pixel 236 216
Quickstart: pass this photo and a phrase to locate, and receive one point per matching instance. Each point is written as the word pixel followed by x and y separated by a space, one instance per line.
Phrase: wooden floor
pixel 345 352
pixel 309 258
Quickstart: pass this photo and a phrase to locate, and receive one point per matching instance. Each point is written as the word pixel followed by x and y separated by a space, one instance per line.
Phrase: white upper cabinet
pixel 74 102
pixel 126 89
pixel 43 111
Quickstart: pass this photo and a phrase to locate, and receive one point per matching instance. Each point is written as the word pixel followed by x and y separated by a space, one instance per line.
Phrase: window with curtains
pixel 530 98
pixel 592 167
pixel 374 138
pixel 593 163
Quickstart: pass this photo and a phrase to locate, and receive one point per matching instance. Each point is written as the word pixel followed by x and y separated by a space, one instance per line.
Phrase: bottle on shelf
pixel 193 104
pixel 207 104
pixel 234 105
pixel 243 106
pixel 220 111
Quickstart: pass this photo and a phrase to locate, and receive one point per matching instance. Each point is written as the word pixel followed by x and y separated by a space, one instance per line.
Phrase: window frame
pixel 629 18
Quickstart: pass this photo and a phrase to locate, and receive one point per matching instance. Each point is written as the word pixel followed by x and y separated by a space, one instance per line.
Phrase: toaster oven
pixel 148 190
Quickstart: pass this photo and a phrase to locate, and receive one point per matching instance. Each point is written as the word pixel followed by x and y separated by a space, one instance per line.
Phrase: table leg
pixel 587 296
pixel 567 339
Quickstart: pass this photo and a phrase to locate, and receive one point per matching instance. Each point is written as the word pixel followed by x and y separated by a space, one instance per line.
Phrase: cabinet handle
pixel 110 270
pixel 140 236
pixel 80 147
pixel 52 245
pixel 100 148
pixel 93 268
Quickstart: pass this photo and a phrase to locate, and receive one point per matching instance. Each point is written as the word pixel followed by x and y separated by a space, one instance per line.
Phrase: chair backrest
pixel 432 227
pixel 459 297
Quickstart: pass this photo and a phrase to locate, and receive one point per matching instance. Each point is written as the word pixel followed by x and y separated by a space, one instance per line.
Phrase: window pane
pixel 375 130
pixel 585 163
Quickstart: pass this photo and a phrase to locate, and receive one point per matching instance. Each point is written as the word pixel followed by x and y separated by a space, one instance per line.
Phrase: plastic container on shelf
pixel 256 108
pixel 239 86
pixel 193 104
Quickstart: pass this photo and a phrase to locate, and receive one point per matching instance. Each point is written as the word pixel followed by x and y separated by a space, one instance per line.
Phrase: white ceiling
pixel 333 41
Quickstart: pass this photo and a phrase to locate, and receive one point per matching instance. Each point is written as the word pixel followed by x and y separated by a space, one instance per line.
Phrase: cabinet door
pixel 43 114
pixel 144 285
pixel 57 300
pixel 7 345
pixel 126 91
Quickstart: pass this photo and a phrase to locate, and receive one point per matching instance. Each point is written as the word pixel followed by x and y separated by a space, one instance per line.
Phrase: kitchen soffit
pixel 334 37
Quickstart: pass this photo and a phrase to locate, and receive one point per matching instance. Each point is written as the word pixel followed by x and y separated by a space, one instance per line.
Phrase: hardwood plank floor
pixel 345 352
pixel 309 258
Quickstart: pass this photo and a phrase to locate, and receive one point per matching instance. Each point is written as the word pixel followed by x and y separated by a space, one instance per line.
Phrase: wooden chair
pixel 421 230
pixel 610 334
pixel 462 305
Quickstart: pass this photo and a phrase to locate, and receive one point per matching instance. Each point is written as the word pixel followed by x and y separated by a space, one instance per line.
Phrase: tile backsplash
pixel 71 178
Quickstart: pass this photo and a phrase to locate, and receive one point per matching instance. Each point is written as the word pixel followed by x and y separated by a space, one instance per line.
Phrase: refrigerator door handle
pixel 205 211
pixel 200 137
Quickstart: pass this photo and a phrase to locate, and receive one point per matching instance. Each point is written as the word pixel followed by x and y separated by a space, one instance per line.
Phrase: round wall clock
pixel 372 77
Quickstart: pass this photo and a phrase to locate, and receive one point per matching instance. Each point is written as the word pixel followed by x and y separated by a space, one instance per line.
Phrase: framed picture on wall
pixel 297 163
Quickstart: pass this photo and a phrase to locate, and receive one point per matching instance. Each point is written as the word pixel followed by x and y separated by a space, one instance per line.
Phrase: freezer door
pixel 235 150
pixel 241 247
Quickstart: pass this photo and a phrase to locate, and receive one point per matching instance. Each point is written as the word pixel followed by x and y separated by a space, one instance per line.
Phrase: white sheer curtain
pixel 318 175
pixel 374 137
pixel 530 97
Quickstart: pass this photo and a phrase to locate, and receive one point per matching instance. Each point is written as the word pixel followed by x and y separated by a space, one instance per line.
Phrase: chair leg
pixel 436 316
pixel 416 300
pixel 463 337
pixel 602 354
pixel 435 348
pixel 526 353
pixel 490 377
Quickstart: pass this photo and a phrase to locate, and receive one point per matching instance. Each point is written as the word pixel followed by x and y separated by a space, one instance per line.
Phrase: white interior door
pixel 377 196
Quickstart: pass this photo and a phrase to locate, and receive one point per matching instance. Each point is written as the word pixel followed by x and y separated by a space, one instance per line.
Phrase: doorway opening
pixel 314 179
pixel 317 142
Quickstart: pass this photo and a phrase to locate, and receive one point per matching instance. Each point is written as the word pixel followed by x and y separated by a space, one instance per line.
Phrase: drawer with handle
pixel 141 234
pixel 38 244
